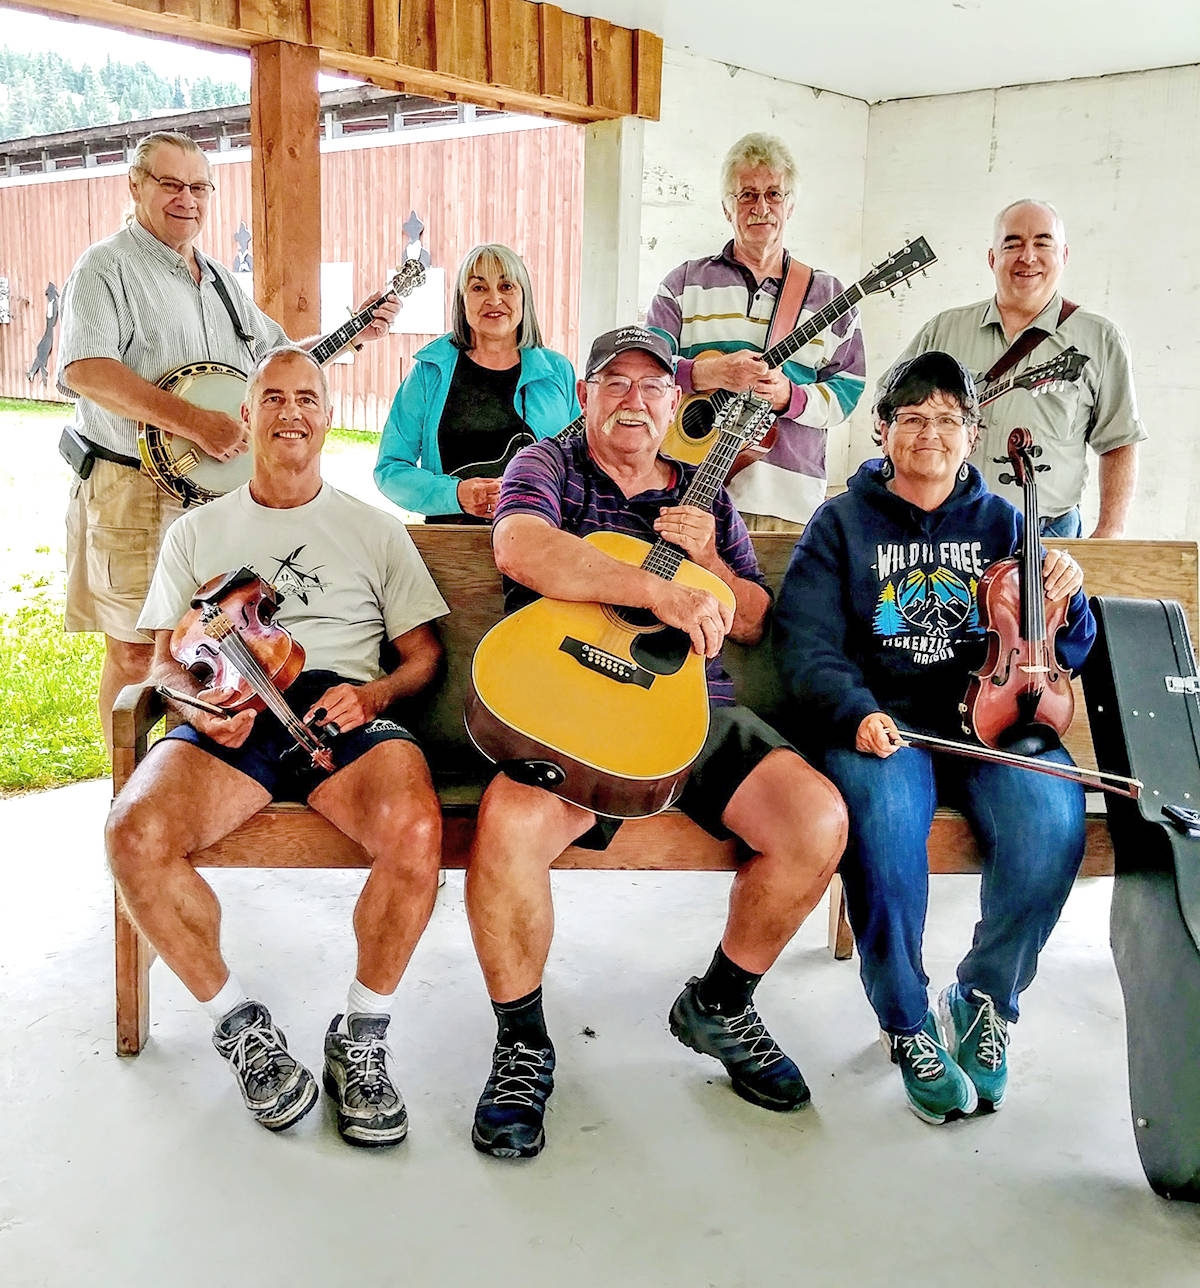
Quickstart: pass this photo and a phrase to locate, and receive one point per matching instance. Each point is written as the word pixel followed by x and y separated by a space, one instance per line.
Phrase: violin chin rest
pixel 1029 739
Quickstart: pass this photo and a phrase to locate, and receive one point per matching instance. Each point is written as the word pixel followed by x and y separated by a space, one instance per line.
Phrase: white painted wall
pixel 1120 157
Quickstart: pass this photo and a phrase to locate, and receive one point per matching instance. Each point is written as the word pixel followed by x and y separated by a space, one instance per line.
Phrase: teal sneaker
pixel 938 1090
pixel 976 1036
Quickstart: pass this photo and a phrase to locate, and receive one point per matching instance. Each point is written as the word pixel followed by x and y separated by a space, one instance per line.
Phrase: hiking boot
pixel 370 1109
pixel 760 1071
pixel 277 1089
pixel 508 1118
pixel 938 1090
pixel 976 1036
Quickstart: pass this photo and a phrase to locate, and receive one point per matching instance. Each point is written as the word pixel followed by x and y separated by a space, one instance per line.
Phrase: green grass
pixel 49 728
pixel 27 406
pixel 339 437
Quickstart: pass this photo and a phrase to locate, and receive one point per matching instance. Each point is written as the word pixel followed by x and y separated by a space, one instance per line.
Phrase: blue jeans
pixel 1066 525
pixel 1030 832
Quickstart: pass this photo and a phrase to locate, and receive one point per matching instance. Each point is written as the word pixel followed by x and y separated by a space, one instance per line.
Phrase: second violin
pixel 1020 700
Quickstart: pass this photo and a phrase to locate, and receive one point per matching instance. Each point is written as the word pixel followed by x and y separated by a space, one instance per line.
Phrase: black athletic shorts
pixel 266 755
pixel 737 740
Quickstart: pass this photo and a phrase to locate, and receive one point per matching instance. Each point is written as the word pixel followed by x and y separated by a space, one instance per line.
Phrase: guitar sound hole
pixel 641 619
pixel 663 651
pixel 697 420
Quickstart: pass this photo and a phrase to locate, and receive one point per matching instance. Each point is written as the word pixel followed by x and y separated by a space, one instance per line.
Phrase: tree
pixel 888 619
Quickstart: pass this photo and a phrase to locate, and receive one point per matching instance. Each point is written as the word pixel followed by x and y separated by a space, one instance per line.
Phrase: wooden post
pixel 133 958
pixel 286 184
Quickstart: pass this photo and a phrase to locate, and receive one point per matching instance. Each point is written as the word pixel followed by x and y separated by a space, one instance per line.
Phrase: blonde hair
pixel 492 257
pixel 758 149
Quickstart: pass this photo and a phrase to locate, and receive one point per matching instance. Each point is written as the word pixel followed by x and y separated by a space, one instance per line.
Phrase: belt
pixel 104 454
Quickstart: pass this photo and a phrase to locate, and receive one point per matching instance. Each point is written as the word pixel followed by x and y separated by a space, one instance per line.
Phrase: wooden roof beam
pixel 510 54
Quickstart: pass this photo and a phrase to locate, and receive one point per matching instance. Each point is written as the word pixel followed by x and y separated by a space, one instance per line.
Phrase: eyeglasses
pixel 652 388
pixel 175 187
pixel 750 196
pixel 913 422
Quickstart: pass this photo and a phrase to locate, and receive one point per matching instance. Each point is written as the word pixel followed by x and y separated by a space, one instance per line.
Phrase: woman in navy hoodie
pixel 877 629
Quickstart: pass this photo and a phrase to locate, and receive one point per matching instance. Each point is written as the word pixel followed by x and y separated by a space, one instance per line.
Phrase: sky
pixel 80 42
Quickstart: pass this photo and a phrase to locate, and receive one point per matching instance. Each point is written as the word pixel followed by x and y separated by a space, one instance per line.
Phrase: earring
pixel 963 472
pixel 887 470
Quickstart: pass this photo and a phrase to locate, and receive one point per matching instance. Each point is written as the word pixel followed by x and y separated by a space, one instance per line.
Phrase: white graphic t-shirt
pixel 348 576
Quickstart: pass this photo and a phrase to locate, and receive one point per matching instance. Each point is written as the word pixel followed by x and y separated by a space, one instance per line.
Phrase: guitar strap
pixel 797 278
pixel 1024 344
pixel 223 291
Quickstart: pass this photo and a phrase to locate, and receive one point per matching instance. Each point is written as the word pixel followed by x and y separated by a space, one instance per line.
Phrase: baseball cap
pixel 933 371
pixel 623 339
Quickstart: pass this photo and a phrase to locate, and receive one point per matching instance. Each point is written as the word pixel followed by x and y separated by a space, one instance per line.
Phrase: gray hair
pixel 491 257
pixel 998 222
pixel 146 146
pixel 287 351
pixel 758 149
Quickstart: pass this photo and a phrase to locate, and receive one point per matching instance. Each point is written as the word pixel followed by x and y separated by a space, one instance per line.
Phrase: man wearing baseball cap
pixel 747 782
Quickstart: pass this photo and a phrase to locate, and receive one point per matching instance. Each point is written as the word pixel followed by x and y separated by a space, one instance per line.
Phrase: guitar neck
pixel 779 353
pixel 331 345
pixel 665 557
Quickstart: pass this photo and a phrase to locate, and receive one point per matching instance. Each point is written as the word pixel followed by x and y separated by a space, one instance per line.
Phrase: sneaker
pixel 938 1090
pixel 370 1109
pixel 508 1118
pixel 976 1035
pixel 277 1089
pixel 760 1071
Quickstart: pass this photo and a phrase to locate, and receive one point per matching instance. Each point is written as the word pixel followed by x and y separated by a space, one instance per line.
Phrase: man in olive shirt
pixel 1097 409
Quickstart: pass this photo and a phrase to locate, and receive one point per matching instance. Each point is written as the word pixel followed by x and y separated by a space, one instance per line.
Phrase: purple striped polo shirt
pixel 561 483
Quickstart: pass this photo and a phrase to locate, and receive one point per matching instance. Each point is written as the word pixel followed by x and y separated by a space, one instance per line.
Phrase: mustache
pixel 642 418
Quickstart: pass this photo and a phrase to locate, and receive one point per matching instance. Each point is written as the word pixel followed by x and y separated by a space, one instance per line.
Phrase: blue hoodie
pixel 877 611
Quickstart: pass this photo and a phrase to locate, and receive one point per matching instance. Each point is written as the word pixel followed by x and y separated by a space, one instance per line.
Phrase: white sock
pixel 362 1001
pixel 232 994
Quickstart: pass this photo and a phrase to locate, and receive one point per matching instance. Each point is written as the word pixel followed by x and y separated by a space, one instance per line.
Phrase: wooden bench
pixel 292 836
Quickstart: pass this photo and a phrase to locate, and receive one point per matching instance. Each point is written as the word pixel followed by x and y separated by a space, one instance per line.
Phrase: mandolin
pixel 602 704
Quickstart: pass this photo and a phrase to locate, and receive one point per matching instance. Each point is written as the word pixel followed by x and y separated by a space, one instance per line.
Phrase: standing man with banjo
pixel 137 305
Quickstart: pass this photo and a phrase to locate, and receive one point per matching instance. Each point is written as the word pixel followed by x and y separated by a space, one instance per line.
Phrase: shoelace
pixel 747 1028
pixel 921 1052
pixel 517 1076
pixel 257 1051
pixel 367 1075
pixel 993 1032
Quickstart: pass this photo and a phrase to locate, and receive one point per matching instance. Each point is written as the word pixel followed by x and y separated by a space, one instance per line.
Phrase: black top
pixel 479 420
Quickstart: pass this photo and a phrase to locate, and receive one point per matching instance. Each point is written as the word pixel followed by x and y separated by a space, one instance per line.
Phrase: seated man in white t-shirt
pixel 348 578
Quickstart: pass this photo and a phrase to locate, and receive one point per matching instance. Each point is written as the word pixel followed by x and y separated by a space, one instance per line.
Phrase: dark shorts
pixel 737 740
pixel 266 755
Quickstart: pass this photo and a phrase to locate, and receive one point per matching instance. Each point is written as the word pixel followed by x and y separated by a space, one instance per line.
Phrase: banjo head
pixel 178 464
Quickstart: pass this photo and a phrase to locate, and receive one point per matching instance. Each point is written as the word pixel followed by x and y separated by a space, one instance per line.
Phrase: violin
pixel 229 640
pixel 1020 700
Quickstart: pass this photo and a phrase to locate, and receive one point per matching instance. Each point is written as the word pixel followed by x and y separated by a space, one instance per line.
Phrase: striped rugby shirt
pixel 133 299
pixel 560 482
pixel 715 303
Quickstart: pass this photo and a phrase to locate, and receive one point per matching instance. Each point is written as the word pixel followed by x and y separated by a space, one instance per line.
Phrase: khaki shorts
pixel 769 523
pixel 116 520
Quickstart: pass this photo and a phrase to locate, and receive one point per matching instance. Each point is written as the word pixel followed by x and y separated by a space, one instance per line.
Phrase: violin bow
pixel 1095 779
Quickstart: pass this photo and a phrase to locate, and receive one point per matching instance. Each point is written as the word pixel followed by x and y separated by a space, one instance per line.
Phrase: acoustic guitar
pixel 692 428
pixel 180 467
pixel 602 704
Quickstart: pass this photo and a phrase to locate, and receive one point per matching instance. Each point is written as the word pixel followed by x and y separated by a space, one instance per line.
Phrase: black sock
pixel 522 1021
pixel 726 987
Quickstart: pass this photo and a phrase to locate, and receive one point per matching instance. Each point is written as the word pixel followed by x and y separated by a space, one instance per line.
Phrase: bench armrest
pixel 137 710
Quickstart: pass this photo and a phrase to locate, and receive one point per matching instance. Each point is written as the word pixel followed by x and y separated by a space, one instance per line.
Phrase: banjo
pixel 181 468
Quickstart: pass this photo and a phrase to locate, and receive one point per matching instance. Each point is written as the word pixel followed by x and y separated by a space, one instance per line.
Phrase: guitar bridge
pixel 596 659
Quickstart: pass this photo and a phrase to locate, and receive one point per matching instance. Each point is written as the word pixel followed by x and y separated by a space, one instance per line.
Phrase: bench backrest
pixel 461 563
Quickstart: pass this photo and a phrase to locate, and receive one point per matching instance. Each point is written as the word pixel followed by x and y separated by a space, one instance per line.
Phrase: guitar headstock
pixel 407 278
pixel 744 420
pixel 1066 368
pixel 911 259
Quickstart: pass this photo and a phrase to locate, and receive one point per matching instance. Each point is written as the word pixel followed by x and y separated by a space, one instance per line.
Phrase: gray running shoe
pixel 277 1088
pixel 761 1073
pixel 370 1109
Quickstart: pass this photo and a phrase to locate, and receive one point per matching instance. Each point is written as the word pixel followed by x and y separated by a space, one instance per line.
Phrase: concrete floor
pixel 148 1170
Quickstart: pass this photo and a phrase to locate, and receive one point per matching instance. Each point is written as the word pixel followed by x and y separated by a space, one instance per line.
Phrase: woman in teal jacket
pixel 474 397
